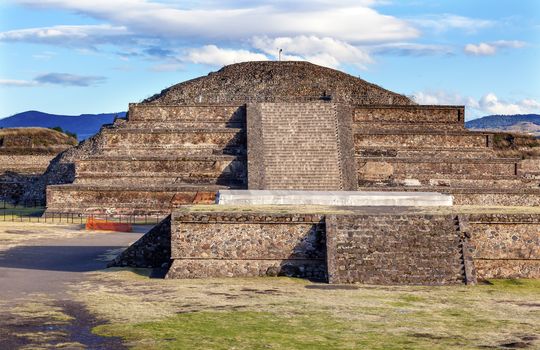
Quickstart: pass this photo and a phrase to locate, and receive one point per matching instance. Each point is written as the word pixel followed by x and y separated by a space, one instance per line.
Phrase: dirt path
pixel 33 280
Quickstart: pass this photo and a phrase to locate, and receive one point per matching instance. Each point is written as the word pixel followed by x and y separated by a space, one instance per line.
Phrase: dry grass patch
pixel 284 313
pixel 17 139
pixel 13 234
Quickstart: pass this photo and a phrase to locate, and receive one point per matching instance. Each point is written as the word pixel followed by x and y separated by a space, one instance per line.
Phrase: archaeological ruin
pixel 288 126
pixel 25 154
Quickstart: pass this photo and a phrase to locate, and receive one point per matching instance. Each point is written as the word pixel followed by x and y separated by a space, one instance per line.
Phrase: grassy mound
pixel 34 140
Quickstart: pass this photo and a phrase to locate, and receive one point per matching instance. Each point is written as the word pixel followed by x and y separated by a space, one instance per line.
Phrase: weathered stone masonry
pixel 300 146
pixel 228 244
pixel 285 125
pixel 294 125
pixel 505 245
pixel 403 247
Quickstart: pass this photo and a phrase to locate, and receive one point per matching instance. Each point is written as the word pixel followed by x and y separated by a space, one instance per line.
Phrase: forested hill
pixel 84 125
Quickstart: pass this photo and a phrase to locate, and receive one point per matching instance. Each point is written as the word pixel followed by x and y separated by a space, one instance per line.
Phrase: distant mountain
pixel 84 125
pixel 522 123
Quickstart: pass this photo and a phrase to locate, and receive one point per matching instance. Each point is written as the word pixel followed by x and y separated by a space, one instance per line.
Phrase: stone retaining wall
pixel 229 244
pixel 25 164
pixel 413 114
pixel 426 140
pixel 505 246
pixel 117 200
pixel 369 169
pixel 140 112
pixel 388 248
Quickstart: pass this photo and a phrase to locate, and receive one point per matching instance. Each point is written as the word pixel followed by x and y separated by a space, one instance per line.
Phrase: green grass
pixel 234 314
pixel 9 212
pixel 263 330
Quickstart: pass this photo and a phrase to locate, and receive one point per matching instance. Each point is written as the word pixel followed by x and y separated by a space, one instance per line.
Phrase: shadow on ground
pixel 56 258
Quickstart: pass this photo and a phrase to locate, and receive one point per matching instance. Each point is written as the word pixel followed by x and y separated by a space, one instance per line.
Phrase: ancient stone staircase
pixel 414 249
pixel 427 148
pixel 161 157
pixel 299 146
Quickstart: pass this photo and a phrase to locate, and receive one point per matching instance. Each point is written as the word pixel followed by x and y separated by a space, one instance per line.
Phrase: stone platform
pixel 373 245
pixel 334 198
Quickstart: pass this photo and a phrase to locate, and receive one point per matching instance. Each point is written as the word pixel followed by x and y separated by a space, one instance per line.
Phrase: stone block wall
pixel 522 197
pixel 19 172
pixel 143 138
pixel 153 250
pixel 234 244
pixel 427 148
pixel 163 155
pixel 25 164
pixel 433 169
pixel 530 167
pixel 402 246
pixel 394 249
pixel 413 114
pixel 135 200
pixel 422 140
pixel 505 245
pixel 140 112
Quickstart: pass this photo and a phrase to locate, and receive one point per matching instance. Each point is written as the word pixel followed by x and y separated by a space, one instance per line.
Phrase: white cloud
pixel 323 51
pixel 482 49
pixel 411 49
pixel 444 22
pixel 17 83
pixel 486 105
pixel 515 44
pixel 83 35
pixel 442 98
pixel 491 104
pixel 215 56
pixel 488 49
pixel 69 79
pixel 350 22
pixel 55 79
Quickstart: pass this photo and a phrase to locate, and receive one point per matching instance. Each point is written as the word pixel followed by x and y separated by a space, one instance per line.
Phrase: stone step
pixel 396 167
pixel 530 167
pixel 435 152
pixel 125 199
pixel 412 114
pixel 206 125
pixel 453 181
pixel 526 197
pixel 175 150
pixel 165 157
pixel 25 164
pixel 126 129
pixel 157 180
pixel 139 112
pixel 365 127
pixel 176 138
pixel 214 164
pixel 425 140
pixel 291 156
pixel 23 169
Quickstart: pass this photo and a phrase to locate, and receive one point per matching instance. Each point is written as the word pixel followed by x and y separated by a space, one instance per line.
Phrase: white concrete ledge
pixel 337 198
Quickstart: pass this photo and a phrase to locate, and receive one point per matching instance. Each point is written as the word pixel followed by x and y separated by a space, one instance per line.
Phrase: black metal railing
pixel 39 214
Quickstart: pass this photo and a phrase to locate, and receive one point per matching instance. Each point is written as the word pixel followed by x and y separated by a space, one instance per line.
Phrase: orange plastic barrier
pixel 103 225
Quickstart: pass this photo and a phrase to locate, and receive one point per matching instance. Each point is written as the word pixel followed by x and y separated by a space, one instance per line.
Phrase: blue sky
pixel 91 56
